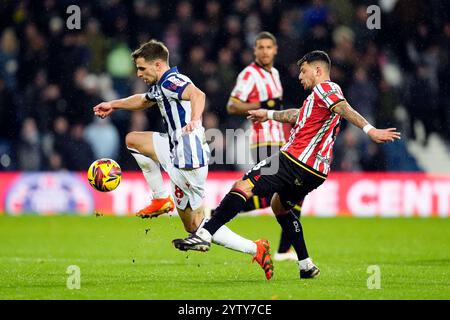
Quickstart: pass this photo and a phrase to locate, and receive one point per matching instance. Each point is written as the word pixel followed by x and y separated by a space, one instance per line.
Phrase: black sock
pixel 294 232
pixel 228 208
pixel 285 244
pixel 257 202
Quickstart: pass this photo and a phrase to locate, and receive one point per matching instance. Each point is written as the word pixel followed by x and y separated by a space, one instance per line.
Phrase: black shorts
pixel 292 180
pixel 260 153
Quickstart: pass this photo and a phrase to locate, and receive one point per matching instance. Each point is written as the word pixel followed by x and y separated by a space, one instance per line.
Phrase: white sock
pixel 152 174
pixel 228 239
pixel 305 264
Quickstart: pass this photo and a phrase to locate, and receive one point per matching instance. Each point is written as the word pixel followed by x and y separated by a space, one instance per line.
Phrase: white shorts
pixel 187 186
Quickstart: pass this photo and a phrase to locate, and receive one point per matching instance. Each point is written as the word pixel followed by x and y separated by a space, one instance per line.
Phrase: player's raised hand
pixel 103 109
pixel 384 135
pixel 259 115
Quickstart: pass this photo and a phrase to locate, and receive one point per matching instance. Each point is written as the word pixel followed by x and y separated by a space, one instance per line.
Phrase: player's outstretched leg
pixel 194 220
pixel 215 231
pixel 161 202
pixel 228 208
pixel 260 249
pixel 141 147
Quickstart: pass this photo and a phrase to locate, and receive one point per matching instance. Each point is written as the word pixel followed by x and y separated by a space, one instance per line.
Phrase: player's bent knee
pixel 277 206
pixel 142 142
pixel 130 140
pixel 244 186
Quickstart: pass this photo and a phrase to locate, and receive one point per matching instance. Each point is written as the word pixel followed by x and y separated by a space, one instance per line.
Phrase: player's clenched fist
pixel 103 109
pixel 259 115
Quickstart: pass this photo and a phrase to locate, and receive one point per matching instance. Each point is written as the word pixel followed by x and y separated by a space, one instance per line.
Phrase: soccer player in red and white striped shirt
pixel 259 86
pixel 303 163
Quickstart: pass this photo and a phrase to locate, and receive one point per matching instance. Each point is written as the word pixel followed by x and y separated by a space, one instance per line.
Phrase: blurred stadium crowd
pixel 51 77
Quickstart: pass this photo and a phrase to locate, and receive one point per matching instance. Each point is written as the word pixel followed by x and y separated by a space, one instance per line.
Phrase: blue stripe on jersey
pixel 201 159
pixel 168 109
pixel 187 151
pixel 181 114
pixel 176 160
pixel 168 135
pixel 180 90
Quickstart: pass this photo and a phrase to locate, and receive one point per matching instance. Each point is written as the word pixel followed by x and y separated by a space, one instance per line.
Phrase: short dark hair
pixel 152 50
pixel 265 35
pixel 315 55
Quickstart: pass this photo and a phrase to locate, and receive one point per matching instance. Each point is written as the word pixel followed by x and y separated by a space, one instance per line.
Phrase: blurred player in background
pixel 182 151
pixel 259 86
pixel 303 162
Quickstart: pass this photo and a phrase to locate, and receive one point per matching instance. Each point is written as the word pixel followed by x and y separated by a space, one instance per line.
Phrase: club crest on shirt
pixel 174 83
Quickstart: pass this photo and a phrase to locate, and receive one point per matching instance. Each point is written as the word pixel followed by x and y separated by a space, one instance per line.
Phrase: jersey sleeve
pixel 330 94
pixel 174 86
pixel 244 86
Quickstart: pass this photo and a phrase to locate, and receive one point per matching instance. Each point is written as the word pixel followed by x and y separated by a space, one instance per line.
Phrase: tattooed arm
pixel 348 113
pixel 285 116
pixel 377 135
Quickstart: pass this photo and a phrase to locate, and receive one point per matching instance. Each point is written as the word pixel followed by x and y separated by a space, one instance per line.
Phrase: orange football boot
pixel 156 208
pixel 263 257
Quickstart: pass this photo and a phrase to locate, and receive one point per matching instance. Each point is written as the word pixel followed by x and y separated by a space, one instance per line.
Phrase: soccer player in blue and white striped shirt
pixel 182 151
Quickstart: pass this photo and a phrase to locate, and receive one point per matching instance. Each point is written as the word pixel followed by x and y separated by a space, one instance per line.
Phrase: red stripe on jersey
pixel 269 91
pixel 312 139
pixel 334 97
pixel 263 88
pixel 240 85
pixel 325 86
pixel 271 124
pixel 319 100
pixel 275 82
pixel 257 133
pixel 308 133
pixel 296 127
pixel 319 147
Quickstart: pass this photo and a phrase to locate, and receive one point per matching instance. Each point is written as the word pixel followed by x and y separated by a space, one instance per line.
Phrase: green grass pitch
pixel 130 258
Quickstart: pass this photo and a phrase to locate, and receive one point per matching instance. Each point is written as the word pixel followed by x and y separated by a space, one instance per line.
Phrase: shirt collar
pixel 261 67
pixel 165 74
pixel 321 83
